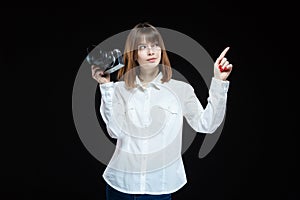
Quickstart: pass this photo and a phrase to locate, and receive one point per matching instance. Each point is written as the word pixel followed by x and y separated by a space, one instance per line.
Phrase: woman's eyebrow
pixel 145 43
pixel 142 43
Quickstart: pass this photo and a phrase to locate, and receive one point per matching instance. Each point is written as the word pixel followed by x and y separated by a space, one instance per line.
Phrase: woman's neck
pixel 148 75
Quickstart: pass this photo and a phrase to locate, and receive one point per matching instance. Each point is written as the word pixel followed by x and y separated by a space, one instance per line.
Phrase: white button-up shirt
pixel 147 123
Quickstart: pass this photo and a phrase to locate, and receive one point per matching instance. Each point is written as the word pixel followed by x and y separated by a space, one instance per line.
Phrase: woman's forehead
pixel 147 38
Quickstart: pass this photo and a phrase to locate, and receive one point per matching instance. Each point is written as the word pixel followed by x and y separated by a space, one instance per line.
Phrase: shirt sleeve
pixel 209 119
pixel 106 106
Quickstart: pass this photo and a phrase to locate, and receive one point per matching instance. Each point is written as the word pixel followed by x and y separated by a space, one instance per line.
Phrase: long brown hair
pixel 129 71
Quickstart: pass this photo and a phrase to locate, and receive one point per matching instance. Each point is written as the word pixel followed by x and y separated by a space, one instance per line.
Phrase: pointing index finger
pixel 222 55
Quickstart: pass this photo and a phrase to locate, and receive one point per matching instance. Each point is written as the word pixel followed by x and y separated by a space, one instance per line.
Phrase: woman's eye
pixel 154 45
pixel 142 47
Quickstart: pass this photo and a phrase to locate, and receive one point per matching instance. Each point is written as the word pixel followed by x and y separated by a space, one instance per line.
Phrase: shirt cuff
pixel 106 85
pixel 107 90
pixel 219 85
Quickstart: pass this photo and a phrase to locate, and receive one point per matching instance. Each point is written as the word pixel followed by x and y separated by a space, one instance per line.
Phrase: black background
pixel 42 49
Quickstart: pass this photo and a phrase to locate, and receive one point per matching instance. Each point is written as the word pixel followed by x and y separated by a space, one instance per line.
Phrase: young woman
pixel 144 111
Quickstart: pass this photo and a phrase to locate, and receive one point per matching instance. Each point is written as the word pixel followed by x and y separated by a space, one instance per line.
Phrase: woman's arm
pixel 209 119
pixel 106 106
pixel 107 89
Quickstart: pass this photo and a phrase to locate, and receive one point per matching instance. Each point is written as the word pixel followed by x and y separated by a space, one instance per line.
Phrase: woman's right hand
pixel 99 75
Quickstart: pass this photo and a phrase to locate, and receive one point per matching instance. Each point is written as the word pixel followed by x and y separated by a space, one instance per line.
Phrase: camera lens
pixel 108 61
pixel 101 58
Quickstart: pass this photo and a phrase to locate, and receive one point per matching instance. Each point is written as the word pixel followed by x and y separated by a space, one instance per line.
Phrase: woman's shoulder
pixel 179 87
pixel 180 84
pixel 119 83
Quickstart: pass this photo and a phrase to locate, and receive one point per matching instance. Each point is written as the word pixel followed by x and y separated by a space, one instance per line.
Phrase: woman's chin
pixel 149 66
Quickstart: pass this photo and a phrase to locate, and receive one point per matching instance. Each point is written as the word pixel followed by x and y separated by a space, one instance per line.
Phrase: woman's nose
pixel 150 51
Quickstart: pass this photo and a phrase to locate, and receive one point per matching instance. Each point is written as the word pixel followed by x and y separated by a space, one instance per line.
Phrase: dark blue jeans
pixel 113 194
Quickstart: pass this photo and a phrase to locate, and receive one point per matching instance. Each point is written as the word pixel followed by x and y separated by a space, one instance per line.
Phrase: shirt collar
pixel 155 82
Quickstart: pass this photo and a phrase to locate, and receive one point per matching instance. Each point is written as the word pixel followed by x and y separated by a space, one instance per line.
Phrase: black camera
pixel 108 61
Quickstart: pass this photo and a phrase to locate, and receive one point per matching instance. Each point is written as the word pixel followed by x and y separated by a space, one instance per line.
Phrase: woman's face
pixel 149 55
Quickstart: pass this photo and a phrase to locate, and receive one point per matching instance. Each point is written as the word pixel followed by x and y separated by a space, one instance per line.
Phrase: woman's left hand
pixel 222 68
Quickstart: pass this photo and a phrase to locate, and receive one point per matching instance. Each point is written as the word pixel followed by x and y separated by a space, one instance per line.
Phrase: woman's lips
pixel 151 60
